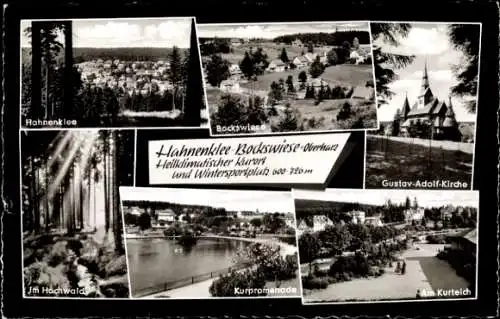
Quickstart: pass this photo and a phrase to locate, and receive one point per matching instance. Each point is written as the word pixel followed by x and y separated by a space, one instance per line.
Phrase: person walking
pixel 398 268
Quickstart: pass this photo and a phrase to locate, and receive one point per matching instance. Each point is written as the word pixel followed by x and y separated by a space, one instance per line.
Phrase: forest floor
pixel 82 266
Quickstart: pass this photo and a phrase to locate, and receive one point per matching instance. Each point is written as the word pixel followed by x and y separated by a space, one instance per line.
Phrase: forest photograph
pixel 71 221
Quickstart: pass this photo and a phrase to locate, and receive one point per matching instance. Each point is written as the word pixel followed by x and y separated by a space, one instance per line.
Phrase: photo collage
pixel 326 161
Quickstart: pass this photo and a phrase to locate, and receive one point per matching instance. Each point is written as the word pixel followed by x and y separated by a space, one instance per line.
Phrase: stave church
pixel 430 112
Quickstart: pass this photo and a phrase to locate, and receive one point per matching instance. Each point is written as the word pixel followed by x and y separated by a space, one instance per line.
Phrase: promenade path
pixel 446 145
pixel 201 289
pixel 423 271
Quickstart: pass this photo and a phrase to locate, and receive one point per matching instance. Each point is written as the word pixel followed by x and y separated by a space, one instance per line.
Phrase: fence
pixel 186 281
pixel 410 158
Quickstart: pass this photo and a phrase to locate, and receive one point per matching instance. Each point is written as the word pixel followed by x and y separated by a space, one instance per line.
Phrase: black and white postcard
pixel 206 243
pixel 373 245
pixel 111 73
pixel 427 79
pixel 288 77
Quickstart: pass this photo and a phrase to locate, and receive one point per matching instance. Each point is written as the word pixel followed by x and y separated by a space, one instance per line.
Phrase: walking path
pixel 423 271
pixel 446 145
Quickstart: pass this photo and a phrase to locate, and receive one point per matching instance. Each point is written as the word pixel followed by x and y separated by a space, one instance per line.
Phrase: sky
pixel 429 42
pixel 425 198
pixel 264 201
pixel 273 30
pixel 115 33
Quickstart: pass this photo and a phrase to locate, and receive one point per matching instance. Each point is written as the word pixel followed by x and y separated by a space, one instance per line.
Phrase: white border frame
pixel 23 127
pixel 214 134
pixel 423 300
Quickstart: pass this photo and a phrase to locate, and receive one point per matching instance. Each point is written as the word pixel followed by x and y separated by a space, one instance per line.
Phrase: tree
pixel 289 123
pixel 275 93
pixel 175 71
pixel 246 66
pixel 407 202
pixel 289 83
pixel 384 62
pixel 395 123
pixel 355 44
pixel 259 61
pixel 217 70
pixel 317 68
pixel 309 247
pixel 332 57
pixel 269 262
pixel 415 202
pixel 256 222
pixel 144 221
pixel 310 47
pixel 284 56
pixel 302 78
pixel 466 38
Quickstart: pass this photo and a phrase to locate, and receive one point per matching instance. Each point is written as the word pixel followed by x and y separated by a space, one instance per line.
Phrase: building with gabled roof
pixel 429 112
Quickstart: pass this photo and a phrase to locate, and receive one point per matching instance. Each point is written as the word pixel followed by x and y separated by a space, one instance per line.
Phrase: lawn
pixel 342 75
pixel 354 75
pixel 387 159
pixel 324 115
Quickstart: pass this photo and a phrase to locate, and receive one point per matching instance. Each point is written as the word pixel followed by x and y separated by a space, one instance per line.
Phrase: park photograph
pixel 427 79
pixel 387 245
pixel 210 243
pixel 263 78
pixel 72 230
pixel 122 72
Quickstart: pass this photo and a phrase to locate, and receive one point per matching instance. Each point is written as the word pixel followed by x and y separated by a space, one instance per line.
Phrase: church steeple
pixel 426 95
pixel 425 79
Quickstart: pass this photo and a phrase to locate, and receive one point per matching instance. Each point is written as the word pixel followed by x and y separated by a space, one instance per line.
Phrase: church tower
pixel 426 95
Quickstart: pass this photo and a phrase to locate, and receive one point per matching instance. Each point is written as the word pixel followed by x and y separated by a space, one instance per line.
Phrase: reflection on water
pixel 155 261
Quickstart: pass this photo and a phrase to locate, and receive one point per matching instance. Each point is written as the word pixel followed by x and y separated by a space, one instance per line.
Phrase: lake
pixel 155 261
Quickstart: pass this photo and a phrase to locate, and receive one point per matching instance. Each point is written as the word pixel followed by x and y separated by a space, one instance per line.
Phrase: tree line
pixel 123 54
pixel 323 38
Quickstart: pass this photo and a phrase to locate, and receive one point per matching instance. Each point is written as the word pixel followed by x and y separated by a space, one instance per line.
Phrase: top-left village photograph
pixel 133 72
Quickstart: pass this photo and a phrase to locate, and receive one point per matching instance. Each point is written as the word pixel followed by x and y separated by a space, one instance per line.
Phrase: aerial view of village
pixel 286 77
pixel 200 243
pixel 427 107
pixel 111 73
pixel 368 245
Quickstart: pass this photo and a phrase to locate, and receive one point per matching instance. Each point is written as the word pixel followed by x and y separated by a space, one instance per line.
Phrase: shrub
pixel 344 112
pixel 225 286
pixel 314 283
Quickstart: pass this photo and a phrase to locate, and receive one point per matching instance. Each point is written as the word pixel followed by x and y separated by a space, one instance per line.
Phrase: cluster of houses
pixel 165 218
pixel 320 222
pixel 130 77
